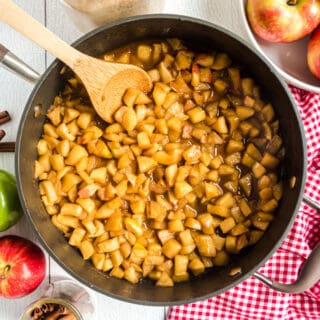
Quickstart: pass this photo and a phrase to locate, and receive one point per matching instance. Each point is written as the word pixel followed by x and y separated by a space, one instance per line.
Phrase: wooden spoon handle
pixel 22 22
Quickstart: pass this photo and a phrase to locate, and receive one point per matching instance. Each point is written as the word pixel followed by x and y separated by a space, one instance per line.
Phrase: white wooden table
pixel 14 93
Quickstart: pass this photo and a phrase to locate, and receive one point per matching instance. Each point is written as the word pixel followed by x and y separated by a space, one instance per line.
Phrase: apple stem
pixel 292 2
pixel 4 271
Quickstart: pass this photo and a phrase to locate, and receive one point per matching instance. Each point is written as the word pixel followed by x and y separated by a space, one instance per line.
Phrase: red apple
pixel 22 266
pixel 283 20
pixel 313 53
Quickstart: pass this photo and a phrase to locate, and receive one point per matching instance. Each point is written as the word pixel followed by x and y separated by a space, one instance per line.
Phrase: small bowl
pixel 27 315
pixel 289 59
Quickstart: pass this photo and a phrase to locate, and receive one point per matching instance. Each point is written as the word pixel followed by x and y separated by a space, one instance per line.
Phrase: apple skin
pixel 313 53
pixel 22 266
pixel 277 21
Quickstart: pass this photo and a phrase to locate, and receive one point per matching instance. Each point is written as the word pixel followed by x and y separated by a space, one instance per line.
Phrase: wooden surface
pixel 14 93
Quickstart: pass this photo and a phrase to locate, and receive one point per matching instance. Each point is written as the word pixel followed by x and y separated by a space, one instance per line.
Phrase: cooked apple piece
pixel 245 128
pixel 239 229
pixel 75 154
pixel 205 245
pixel 221 61
pixel 231 244
pixel 146 164
pixel 247 86
pixel 144 52
pixel 164 235
pixel 206 221
pixel 86 249
pixel 226 200
pixel 192 154
pixel 185 237
pixel 234 75
pixel 133 226
pixel 117 272
pixel 213 138
pixel 204 60
pixel 220 211
pixel 183 60
pixel 264 216
pixel 246 183
pixel 114 222
pixel 258 170
pixel 268 112
pixel 175 225
pixel 180 264
pixel 247 160
pixel 181 278
pixel 130 96
pixel 242 242
pixel 269 206
pixel 221 125
pixel 108 245
pixel 245 207
pixel 233 120
pixel 164 280
pixel 277 191
pixel 192 223
pixel 221 258
pixel 267 130
pixel 216 162
pixel 237 215
pixel 234 146
pixel 180 86
pixel 269 161
pixel 171 248
pixel 205 75
pixel 181 189
pixel 196 266
pixel 233 159
pixel 254 152
pixel 249 101
pixel 220 86
pixel 165 74
pixel 274 144
pixel 266 193
pixel 227 224
pixel 196 115
pixel 232 186
pixel 212 190
pixel 160 92
pixel 218 241
pixel 259 224
pixel 156 211
pixel 244 112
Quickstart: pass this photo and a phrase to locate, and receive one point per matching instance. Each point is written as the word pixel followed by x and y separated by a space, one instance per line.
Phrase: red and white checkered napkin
pixel 252 300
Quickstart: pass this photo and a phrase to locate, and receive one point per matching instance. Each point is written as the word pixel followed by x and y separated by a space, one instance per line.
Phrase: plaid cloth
pixel 252 300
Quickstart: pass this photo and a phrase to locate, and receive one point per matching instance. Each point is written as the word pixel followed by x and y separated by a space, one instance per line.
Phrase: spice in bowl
pixel 51 309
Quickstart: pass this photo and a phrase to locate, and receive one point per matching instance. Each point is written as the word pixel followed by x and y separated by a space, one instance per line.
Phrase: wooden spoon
pixel 105 82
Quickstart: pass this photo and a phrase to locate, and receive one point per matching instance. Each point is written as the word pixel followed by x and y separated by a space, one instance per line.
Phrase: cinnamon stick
pixel 2 134
pixel 7 146
pixel 4 117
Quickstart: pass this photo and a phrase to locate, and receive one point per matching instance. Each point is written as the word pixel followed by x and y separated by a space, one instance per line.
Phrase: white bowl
pixel 289 59
pixel 90 14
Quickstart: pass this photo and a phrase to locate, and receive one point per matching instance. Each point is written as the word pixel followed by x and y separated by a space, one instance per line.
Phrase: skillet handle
pixel 309 275
pixel 17 66
pixel 310 272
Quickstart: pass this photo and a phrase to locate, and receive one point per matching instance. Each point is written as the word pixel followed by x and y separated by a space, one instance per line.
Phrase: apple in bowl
pixel 283 20
pixel 313 53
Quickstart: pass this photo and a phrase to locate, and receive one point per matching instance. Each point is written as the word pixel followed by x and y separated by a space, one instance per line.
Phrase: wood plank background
pixel 14 93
